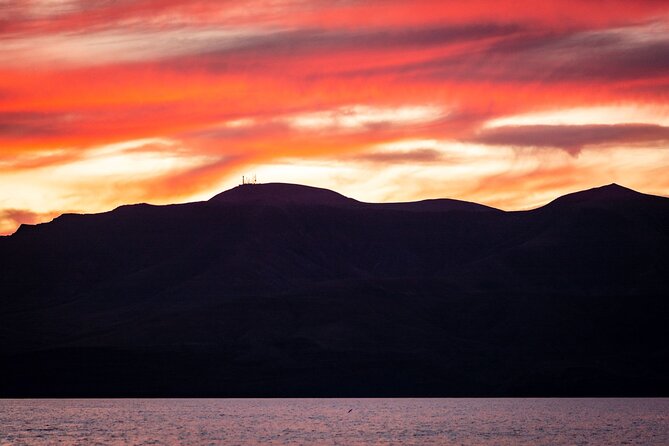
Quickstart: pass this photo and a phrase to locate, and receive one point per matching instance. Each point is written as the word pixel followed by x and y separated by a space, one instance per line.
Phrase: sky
pixel 506 103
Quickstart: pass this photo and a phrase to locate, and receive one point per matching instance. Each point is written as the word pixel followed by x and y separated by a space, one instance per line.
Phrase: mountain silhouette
pixel 610 195
pixel 282 193
pixel 289 290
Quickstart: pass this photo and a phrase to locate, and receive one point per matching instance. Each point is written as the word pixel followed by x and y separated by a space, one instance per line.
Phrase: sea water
pixel 398 421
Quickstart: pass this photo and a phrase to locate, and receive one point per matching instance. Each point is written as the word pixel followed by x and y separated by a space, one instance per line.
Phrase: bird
pixel 349 411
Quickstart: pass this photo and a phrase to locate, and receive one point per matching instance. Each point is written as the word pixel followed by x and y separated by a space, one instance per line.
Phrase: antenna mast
pixel 249 180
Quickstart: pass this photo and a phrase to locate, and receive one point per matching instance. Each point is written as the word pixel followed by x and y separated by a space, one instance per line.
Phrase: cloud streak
pixel 399 157
pixel 573 138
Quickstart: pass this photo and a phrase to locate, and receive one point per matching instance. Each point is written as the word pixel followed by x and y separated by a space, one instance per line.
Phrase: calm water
pixel 336 421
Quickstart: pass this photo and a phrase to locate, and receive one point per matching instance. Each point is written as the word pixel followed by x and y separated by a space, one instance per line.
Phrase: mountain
pixel 282 194
pixel 612 194
pixel 289 290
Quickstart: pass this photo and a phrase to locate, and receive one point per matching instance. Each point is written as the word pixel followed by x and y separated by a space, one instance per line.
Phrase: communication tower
pixel 249 180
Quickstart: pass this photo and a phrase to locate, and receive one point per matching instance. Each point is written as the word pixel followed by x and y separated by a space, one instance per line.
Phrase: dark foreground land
pixel 286 290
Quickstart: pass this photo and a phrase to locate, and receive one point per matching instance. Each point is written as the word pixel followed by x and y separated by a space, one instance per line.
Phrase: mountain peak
pixel 615 187
pixel 610 193
pixel 612 190
pixel 282 193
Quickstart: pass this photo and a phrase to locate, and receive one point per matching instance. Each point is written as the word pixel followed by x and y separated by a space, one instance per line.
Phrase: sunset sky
pixel 509 104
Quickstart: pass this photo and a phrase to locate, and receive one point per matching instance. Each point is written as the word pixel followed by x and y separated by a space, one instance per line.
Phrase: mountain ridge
pixel 609 193
pixel 282 194
pixel 287 193
pixel 302 298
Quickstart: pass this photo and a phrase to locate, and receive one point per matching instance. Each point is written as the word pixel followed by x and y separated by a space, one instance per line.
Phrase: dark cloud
pixel 653 91
pixel 573 138
pixel 611 55
pixel 396 157
pixel 256 51
pixel 607 55
pixel 30 124
pixel 389 38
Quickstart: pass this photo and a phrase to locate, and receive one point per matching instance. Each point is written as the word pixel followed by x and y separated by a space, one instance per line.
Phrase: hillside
pixel 288 290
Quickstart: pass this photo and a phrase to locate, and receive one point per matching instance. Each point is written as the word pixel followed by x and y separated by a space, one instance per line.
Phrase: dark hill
pixel 282 193
pixel 434 205
pixel 287 290
pixel 610 193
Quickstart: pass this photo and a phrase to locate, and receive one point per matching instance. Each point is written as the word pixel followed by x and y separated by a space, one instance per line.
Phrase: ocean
pixel 348 421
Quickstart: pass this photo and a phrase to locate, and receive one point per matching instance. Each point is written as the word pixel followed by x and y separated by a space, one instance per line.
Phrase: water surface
pixel 335 421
